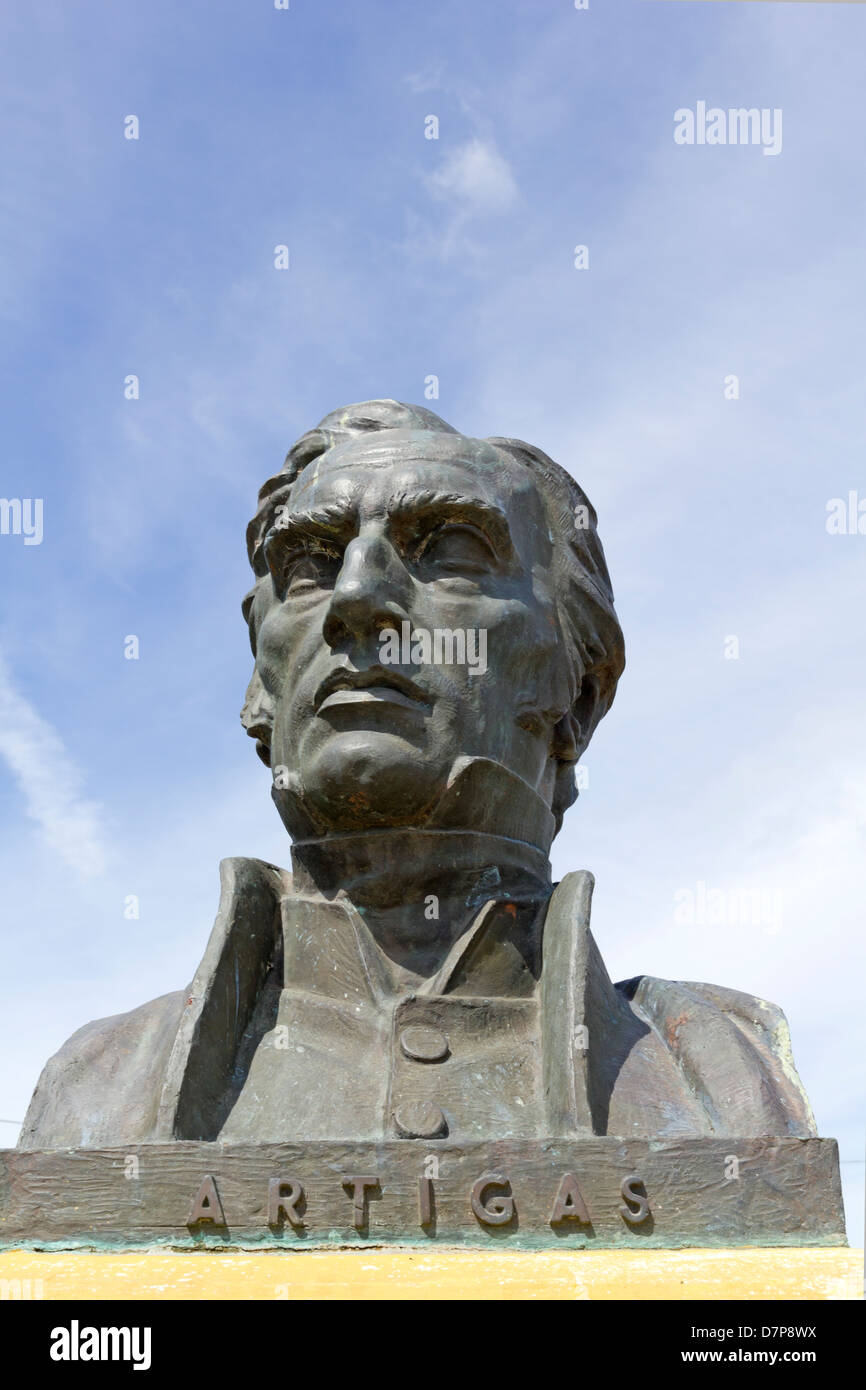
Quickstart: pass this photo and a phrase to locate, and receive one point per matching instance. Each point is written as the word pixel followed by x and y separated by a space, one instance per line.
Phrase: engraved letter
pixel 426 1200
pixel 500 1209
pixel 359 1185
pixel 628 1190
pixel 569 1202
pixel 284 1194
pixel 206 1205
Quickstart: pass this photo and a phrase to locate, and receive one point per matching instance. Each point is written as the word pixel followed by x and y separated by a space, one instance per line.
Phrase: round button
pixel 420 1119
pixel 424 1044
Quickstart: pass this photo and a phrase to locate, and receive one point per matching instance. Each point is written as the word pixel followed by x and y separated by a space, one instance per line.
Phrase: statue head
pixel 425 603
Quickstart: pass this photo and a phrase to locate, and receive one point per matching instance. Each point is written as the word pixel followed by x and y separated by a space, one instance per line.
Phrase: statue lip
pixel 374 685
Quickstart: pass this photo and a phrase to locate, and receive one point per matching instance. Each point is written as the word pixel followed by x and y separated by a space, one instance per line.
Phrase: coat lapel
pixel 244 946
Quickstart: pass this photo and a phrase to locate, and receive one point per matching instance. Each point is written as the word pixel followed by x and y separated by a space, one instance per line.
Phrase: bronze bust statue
pixel 435 641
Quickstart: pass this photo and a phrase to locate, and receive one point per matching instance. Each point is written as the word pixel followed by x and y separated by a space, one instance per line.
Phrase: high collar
pixel 389 868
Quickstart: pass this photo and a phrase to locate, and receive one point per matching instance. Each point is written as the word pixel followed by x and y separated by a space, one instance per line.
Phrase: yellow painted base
pixel 440 1274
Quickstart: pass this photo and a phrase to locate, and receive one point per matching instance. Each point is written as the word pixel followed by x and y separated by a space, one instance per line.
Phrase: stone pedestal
pixel 531 1195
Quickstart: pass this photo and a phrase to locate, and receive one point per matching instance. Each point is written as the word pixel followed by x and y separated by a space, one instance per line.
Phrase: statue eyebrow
pixel 328 523
pixel 409 511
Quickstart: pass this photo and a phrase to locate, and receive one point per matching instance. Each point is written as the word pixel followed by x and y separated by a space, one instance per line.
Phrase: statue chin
pixel 360 783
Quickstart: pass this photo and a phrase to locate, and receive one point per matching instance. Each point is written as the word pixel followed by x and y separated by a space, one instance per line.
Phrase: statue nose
pixel 370 592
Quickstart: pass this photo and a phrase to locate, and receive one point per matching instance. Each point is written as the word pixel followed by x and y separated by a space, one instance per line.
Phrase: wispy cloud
pixel 50 782
pixel 427 79
pixel 473 182
pixel 475 178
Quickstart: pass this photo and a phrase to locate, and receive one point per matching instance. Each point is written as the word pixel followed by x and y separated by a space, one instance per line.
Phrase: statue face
pixel 384 545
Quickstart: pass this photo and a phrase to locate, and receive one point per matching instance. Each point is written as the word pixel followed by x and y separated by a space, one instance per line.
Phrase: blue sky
pixel 455 257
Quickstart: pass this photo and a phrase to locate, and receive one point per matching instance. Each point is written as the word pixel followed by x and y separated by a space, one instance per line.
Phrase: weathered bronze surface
pixel 600 1192
pixel 435 642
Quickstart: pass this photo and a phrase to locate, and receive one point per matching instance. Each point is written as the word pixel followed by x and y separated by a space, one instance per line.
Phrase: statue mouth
pixel 373 686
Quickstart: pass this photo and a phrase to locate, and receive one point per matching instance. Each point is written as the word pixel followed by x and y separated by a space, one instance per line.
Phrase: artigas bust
pixel 435 641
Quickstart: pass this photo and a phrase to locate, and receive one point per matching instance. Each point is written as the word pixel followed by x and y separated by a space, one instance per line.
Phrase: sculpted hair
pixel 584 595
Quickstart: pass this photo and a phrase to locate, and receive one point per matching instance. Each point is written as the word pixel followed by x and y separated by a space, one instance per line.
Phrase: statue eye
pixel 457 549
pixel 315 567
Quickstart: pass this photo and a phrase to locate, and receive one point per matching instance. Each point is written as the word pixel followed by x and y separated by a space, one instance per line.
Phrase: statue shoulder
pixel 102 1087
pixel 735 1051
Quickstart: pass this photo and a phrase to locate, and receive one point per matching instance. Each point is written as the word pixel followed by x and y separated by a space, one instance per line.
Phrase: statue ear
pixel 257 717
